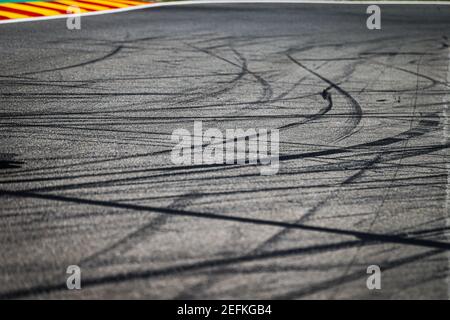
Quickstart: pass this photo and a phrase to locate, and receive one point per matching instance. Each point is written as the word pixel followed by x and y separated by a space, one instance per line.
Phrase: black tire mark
pixel 355 119
pixel 83 64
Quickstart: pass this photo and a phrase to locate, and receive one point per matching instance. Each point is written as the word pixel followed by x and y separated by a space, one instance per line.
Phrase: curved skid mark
pixel 83 64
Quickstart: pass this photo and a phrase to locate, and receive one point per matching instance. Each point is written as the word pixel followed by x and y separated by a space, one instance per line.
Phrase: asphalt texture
pixel 86 177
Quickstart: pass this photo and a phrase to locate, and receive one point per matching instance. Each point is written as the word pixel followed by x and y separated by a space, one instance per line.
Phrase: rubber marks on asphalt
pixel 54 8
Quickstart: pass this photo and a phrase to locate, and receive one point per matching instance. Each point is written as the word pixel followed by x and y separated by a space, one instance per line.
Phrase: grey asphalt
pixel 86 176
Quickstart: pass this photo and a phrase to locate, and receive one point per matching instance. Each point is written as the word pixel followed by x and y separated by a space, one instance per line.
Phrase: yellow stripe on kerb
pixel 135 3
pixel 11 15
pixel 53 5
pixel 110 3
pixel 83 5
pixel 24 7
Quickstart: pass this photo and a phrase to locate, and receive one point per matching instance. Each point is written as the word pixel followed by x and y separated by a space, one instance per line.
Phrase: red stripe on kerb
pixel 25 13
pixel 97 4
pixel 40 7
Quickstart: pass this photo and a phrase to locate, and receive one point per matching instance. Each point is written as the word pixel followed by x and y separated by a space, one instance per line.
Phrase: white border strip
pixel 181 3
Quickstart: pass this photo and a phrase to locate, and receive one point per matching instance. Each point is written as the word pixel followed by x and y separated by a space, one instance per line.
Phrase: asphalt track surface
pixel 86 177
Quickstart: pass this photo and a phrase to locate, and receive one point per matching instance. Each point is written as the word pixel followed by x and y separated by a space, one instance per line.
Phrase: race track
pixel 86 177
